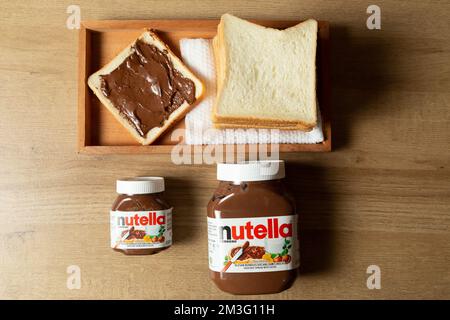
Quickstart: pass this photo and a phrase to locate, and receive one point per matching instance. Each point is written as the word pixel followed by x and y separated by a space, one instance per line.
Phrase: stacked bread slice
pixel 266 78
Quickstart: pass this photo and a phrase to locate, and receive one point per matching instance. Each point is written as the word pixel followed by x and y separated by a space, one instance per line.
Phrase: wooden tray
pixel 100 41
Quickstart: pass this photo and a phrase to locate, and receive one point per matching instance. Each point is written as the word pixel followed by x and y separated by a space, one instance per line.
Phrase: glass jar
pixel 141 220
pixel 252 229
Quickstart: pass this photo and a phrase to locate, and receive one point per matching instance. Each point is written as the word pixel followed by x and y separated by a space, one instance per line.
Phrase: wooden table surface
pixel 382 197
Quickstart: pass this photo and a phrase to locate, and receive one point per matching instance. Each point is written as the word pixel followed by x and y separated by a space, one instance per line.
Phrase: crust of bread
pixel 217 51
pixel 218 59
pixel 300 127
pixel 150 37
pixel 264 122
pixel 220 56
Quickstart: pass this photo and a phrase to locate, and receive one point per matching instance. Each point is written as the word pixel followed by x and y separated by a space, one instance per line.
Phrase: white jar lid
pixel 140 185
pixel 251 171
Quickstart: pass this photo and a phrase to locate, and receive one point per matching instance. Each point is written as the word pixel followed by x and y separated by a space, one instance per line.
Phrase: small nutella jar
pixel 252 229
pixel 141 220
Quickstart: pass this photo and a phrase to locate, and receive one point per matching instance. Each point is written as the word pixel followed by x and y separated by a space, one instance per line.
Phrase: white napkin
pixel 198 56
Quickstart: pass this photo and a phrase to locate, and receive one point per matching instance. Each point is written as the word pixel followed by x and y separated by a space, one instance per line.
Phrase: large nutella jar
pixel 141 220
pixel 252 229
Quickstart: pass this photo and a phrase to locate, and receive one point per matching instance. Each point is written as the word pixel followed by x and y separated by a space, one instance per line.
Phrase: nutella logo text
pixel 151 219
pixel 270 230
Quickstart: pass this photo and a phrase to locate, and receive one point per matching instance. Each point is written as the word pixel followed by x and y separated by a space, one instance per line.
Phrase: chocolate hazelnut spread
pixel 146 88
pixel 141 220
pixel 252 209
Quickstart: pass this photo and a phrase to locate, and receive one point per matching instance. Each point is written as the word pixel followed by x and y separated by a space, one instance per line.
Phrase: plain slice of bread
pixel 95 83
pixel 265 76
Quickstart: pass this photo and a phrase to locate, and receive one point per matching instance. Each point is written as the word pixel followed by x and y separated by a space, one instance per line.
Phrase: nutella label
pixel 253 244
pixel 141 229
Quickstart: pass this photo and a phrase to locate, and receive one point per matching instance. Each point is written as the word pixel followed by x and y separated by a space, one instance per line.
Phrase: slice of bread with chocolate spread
pixel 146 87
